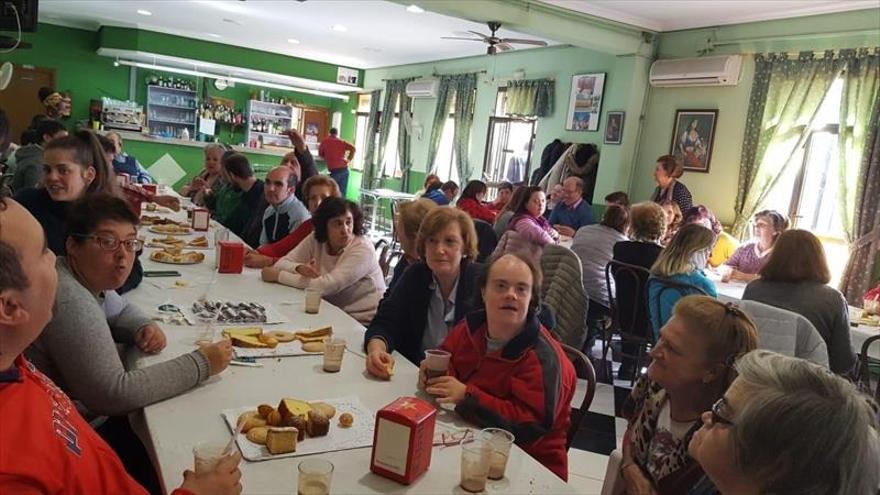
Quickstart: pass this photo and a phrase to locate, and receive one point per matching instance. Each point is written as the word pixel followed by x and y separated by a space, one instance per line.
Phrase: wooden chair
pixel 584 370
pixel 864 372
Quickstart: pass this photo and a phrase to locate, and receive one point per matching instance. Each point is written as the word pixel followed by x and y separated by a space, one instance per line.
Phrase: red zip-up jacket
pixel 477 210
pixel 525 387
pixel 281 247
pixel 47 447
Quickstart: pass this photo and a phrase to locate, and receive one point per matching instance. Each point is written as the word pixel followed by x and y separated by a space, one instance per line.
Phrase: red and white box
pixel 201 219
pixel 403 439
pixel 231 257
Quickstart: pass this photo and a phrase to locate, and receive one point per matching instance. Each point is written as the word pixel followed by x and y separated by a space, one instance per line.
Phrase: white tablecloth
pixel 175 425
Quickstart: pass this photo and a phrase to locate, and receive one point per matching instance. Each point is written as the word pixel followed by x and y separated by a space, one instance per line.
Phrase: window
pixel 360 134
pixel 445 159
pixel 509 146
pixel 391 165
pixel 808 190
pixel 391 161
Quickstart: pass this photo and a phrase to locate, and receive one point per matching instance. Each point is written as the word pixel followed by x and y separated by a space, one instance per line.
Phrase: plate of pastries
pixel 177 256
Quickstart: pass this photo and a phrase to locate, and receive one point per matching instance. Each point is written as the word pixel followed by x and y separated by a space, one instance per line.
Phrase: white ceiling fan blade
pixel 504 47
pixel 524 41
pixel 481 35
pixel 462 39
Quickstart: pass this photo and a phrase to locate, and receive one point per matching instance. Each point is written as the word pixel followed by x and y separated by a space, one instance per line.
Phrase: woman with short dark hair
pixel 337 259
pixel 471 201
pixel 666 175
pixel 796 278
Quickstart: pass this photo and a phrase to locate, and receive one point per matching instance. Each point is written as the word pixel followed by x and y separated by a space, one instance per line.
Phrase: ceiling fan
pixel 495 43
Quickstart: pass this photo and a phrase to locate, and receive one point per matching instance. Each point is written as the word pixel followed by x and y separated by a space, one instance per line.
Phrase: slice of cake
pixel 248 341
pixel 281 440
pixel 242 332
pixel 294 407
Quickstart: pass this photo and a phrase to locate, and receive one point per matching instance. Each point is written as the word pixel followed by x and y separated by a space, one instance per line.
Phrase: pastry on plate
pixel 346 420
pixel 281 440
pixel 258 434
pixel 325 408
pixel 318 425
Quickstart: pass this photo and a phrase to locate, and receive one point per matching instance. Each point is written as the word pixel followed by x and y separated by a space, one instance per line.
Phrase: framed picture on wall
pixel 692 138
pixel 585 103
pixel 614 127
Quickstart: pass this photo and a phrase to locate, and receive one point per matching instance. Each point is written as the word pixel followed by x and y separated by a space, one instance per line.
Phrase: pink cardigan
pixel 532 229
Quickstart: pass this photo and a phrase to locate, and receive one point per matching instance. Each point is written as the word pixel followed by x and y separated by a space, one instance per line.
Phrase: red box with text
pixel 403 439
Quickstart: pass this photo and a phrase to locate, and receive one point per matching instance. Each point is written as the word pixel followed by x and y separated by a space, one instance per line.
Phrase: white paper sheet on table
pixel 273 317
pixel 283 349
pixel 359 435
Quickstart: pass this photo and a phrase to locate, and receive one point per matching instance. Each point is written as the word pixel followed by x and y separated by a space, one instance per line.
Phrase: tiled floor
pixel 600 432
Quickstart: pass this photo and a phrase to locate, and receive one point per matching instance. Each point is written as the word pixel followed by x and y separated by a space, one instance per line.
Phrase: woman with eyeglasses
pixel 678 272
pixel 787 426
pixel 691 367
pixel 77 349
pixel 748 259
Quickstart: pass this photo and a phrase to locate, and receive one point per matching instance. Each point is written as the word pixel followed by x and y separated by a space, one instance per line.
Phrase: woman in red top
pixel 471 202
pixel 507 371
pixel 315 190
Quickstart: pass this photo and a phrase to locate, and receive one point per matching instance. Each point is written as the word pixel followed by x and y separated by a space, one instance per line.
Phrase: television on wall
pixel 15 13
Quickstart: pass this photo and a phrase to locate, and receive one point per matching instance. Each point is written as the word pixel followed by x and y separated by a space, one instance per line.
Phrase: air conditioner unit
pixel 703 71
pixel 425 88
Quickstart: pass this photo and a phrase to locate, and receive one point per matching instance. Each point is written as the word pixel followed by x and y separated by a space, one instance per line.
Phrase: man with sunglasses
pixel 77 349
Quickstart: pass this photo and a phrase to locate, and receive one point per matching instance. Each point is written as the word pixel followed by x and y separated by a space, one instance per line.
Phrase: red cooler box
pixel 403 439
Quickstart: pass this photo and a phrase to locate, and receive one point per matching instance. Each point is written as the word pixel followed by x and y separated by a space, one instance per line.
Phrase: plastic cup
pixel 334 350
pixel 499 442
pixel 313 300
pixel 206 455
pixel 315 476
pixel 475 454
pixel 436 362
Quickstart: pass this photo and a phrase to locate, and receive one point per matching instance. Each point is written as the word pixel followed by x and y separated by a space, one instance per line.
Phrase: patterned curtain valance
pixel 531 98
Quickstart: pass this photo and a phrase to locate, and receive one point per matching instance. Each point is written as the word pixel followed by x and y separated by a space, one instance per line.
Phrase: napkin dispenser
pixel 403 439
pixel 201 219
pixel 231 257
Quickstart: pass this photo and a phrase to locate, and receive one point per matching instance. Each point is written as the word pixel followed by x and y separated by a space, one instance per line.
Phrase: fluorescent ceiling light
pixel 415 9
pixel 144 12
pixel 214 35
pixel 339 27
pixel 292 41
pixel 242 80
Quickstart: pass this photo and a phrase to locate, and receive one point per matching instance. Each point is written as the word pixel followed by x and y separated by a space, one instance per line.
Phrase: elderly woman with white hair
pixel 787 426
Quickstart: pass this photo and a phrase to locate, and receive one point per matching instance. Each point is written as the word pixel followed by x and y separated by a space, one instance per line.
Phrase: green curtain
pixel 786 94
pixel 861 80
pixel 859 146
pixel 441 110
pixel 370 152
pixel 403 134
pixel 530 98
pixel 465 99
pixel 393 89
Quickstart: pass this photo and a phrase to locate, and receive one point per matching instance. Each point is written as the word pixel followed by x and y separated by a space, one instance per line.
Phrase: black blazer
pixel 403 312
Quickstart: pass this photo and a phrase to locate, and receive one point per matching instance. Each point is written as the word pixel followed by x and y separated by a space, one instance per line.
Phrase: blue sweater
pixel 662 312
pixel 575 218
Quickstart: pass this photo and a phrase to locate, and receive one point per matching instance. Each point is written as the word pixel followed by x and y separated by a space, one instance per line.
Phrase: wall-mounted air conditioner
pixel 424 88
pixel 703 71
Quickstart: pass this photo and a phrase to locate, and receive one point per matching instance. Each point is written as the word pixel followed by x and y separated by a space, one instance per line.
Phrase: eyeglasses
pixel 108 243
pixel 717 418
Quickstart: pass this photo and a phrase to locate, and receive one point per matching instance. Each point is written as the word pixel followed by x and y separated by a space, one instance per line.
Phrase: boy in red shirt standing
pixel 45 445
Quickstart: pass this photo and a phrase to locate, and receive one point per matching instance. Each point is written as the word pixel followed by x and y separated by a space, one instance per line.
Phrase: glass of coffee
pixel 315 476
pixel 436 363
pixel 334 351
pixel 313 300
pixel 499 441
pixel 475 453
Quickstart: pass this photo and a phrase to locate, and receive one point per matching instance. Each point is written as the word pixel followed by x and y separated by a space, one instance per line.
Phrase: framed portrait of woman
pixel 692 138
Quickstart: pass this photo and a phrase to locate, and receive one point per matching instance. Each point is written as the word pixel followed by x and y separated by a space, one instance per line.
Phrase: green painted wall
pixel 717 189
pixel 624 90
pixel 79 69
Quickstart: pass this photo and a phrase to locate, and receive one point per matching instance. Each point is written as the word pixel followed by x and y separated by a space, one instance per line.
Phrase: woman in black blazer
pixel 431 295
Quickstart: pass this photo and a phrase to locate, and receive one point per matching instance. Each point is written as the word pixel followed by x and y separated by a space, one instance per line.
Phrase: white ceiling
pixel 673 15
pixel 379 33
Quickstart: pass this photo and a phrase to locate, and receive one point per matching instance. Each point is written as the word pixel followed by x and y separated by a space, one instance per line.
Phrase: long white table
pixel 174 426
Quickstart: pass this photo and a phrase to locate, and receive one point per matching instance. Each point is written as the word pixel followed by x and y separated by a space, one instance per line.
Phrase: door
pixel 508 151
pixel 20 100
pixel 315 123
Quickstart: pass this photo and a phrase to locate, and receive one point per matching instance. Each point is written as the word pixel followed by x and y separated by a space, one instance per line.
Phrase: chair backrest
pixel 628 296
pixel 786 332
pixel 512 241
pixel 487 240
pixel 613 484
pixel 666 285
pixel 563 290
pixel 865 373
pixel 584 370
